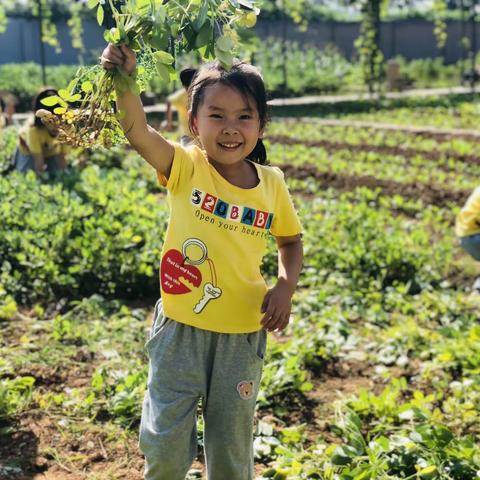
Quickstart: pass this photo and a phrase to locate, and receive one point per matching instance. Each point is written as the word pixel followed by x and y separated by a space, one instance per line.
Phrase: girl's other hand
pixel 122 56
pixel 276 307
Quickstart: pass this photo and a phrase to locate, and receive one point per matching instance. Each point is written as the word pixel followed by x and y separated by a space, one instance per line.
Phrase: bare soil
pixel 47 446
pixel 429 194
pixel 405 152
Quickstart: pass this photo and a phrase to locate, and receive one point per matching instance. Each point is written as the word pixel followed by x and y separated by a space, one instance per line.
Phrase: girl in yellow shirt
pixel 209 335
pixel 467 228
pixel 38 148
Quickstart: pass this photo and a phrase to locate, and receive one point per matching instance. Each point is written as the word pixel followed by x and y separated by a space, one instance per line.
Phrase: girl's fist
pixel 121 56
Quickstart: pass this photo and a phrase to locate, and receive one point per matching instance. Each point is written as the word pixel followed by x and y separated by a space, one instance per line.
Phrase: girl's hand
pixel 122 56
pixel 276 307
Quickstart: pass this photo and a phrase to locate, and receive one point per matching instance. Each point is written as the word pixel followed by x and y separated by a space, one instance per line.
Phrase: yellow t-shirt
pixel 468 220
pixel 215 242
pixel 36 140
pixel 179 100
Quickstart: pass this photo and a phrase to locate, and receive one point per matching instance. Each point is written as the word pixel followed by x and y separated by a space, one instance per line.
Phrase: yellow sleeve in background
pixel 468 220
pixel 179 101
pixel 33 139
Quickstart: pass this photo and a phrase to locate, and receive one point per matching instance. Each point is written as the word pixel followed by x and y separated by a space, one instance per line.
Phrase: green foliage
pixel 100 236
pixel 8 306
pixel 381 313
pixel 429 72
pixel 440 8
pixel 25 79
pixel 157 32
pixel 118 395
pixel 15 395
pixel 323 71
pixel 8 143
pixel 3 19
pixel 368 44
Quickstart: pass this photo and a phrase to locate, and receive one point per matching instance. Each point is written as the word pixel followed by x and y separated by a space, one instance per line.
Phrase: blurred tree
pixel 368 42
pixel 468 15
pixel 47 12
pixel 299 11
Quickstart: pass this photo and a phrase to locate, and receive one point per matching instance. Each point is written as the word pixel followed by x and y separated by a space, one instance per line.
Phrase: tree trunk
pixel 473 51
pixel 42 46
pixel 463 34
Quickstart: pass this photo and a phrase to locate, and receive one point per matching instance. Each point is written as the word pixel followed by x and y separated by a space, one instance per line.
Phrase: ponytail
pixel 259 153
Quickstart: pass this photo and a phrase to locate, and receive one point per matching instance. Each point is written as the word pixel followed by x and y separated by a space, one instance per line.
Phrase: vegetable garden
pixel 377 377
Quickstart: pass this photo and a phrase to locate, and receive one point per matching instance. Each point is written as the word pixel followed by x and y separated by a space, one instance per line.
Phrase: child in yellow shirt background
pixel 38 148
pixel 467 229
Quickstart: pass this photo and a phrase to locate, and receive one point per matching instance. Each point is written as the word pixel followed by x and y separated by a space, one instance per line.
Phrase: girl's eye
pixel 215 115
pixel 245 117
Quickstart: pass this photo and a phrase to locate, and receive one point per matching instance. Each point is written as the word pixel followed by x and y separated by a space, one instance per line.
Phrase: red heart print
pixel 173 268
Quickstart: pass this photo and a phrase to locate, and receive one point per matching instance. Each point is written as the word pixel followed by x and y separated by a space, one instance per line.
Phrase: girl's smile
pixel 228 126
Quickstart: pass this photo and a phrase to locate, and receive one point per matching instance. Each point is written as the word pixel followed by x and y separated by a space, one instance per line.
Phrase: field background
pixel 377 376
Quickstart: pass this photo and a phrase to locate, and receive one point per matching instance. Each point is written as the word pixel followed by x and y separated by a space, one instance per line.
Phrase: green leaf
pixel 225 58
pixel 428 472
pixel 383 442
pixel 206 52
pixel 59 110
pixel 159 39
pixel 51 101
pixel 202 17
pixel 65 94
pixel 174 28
pixel 107 36
pixel 87 86
pixel 164 57
pixel 204 35
pixel 306 387
pixel 225 44
pixel 71 85
pixel 92 3
pixel 340 456
pixel 100 15
pixel 161 14
pixel 163 72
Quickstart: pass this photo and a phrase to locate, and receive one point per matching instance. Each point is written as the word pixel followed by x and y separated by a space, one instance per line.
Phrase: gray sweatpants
pixel 186 364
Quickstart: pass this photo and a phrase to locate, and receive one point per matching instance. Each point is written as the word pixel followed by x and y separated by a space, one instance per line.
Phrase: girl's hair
pixel 244 78
pixel 37 104
pixel 186 76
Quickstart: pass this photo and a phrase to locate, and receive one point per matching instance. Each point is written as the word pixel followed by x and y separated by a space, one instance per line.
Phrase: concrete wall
pixel 409 38
pixel 20 43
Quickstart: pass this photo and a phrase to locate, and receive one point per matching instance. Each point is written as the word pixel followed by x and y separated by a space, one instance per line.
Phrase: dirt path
pixel 430 194
pixel 355 97
pixel 45 444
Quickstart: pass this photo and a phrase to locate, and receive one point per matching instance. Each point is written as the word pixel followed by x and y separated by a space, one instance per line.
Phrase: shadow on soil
pixel 18 452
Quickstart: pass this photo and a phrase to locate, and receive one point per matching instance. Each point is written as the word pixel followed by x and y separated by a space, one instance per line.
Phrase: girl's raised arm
pixel 157 151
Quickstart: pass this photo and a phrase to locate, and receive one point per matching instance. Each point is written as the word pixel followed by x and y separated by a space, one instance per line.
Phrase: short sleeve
pixel 182 168
pixel 178 98
pixel 285 220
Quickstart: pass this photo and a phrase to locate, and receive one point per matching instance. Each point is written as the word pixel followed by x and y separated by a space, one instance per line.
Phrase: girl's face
pixel 228 126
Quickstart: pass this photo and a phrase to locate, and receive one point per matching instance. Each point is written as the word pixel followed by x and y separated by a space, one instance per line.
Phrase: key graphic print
pixel 177 267
pixel 209 292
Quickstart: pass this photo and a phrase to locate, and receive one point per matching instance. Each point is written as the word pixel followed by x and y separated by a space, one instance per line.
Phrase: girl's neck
pixel 242 174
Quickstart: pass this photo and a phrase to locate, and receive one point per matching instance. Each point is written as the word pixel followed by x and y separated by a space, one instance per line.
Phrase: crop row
pixel 380 166
pixel 463 115
pixel 372 289
pixel 311 131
